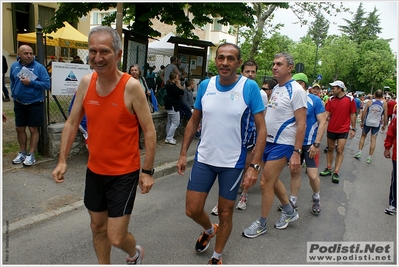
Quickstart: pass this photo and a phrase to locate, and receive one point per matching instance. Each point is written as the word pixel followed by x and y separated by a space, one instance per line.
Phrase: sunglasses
pixel 264 88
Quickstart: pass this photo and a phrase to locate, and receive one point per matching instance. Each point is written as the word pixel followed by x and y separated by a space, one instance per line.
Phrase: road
pixel 351 211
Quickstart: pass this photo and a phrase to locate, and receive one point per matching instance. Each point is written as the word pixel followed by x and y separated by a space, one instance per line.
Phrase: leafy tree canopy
pixel 140 15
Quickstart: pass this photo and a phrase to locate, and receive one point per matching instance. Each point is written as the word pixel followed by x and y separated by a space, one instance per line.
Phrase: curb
pixel 160 171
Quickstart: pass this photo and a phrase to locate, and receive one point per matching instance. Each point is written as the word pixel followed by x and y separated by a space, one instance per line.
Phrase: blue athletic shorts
pixel 310 163
pixel 277 151
pixel 203 177
pixel 374 130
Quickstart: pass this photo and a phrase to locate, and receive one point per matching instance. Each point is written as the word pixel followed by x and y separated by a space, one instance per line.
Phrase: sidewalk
pixel 30 195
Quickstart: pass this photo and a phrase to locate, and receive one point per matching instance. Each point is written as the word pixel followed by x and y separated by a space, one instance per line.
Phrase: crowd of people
pixel 257 131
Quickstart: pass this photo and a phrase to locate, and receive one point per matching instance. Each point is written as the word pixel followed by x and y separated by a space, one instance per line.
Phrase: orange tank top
pixel 113 131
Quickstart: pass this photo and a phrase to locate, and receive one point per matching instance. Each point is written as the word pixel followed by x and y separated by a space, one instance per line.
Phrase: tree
pixel 138 15
pixel 362 28
pixel 338 55
pixel 318 31
pixel 376 64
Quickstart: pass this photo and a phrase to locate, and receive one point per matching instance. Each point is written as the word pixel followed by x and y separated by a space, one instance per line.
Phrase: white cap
pixel 339 84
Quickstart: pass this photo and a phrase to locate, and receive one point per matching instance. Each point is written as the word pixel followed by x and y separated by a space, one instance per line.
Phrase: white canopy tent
pixel 162 47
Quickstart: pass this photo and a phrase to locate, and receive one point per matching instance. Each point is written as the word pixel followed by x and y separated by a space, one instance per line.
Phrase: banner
pixel 66 77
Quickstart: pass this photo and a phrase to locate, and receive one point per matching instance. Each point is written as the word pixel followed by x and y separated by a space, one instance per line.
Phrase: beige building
pixel 18 17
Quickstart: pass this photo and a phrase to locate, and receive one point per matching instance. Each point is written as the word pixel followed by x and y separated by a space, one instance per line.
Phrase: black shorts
pixel 115 193
pixel 335 136
pixel 30 115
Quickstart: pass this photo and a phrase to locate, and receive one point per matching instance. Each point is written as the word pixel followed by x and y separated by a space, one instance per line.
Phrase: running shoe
pixel 171 142
pixel 29 160
pixel 293 205
pixel 255 230
pixel 368 160
pixel 242 204
pixel 19 158
pixel 326 172
pixel 215 210
pixel 215 261
pixel 358 155
pixel 391 210
pixel 335 178
pixel 285 219
pixel 326 150
pixel 315 206
pixel 204 240
pixel 138 259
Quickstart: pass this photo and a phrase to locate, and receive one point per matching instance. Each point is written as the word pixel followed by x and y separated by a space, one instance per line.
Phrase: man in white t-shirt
pixel 224 103
pixel 286 123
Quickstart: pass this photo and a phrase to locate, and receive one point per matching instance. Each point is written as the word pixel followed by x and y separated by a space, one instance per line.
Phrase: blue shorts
pixel 277 151
pixel 310 163
pixel 203 177
pixel 374 130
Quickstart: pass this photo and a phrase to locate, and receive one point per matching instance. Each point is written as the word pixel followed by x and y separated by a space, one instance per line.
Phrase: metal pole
pixel 315 61
pixel 43 137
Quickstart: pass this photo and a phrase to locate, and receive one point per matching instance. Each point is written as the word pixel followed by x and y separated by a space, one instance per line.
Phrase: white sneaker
pixel 172 142
pixel 19 158
pixel 215 210
pixel 242 204
pixel 29 160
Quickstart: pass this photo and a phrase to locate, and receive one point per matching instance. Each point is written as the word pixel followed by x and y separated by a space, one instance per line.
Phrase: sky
pixel 388 14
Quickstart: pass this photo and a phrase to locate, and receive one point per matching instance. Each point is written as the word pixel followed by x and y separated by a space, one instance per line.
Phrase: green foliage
pixel 140 15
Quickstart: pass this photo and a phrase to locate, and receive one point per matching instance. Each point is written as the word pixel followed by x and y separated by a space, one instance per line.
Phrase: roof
pixel 200 43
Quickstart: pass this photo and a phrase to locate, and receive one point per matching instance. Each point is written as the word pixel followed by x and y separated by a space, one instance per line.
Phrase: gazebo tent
pixel 67 36
pixel 162 47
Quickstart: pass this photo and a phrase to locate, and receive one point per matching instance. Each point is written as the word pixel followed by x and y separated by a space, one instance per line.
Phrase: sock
pixel 262 221
pixel 216 255
pixel 316 195
pixel 134 257
pixel 369 157
pixel 245 195
pixel 329 167
pixel 210 231
pixel 293 199
pixel 24 152
pixel 288 208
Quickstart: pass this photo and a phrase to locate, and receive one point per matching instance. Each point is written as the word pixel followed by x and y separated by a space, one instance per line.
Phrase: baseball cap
pixel 300 77
pixel 339 84
pixel 316 85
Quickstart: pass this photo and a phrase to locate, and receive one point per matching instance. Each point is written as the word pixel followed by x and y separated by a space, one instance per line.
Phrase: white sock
pixel 293 199
pixel 216 255
pixel 210 231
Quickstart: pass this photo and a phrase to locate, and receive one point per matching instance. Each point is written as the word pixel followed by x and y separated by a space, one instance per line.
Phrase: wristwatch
pixel 255 166
pixel 316 145
pixel 150 172
pixel 299 151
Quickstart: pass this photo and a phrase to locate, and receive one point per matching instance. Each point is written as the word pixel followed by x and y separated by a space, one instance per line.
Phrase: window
pixel 216 25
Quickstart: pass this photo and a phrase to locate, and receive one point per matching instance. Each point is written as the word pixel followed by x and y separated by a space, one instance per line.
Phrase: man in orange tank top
pixel 115 106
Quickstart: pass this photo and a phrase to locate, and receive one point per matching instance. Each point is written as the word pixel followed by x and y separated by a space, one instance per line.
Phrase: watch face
pixel 255 166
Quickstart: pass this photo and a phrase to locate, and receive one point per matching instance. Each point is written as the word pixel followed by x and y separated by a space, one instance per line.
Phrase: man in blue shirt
pixel 28 80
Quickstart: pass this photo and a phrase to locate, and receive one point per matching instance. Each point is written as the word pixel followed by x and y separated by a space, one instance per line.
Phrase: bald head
pixel 26 54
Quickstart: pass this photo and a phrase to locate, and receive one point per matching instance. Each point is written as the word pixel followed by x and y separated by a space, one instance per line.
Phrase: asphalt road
pixel 351 211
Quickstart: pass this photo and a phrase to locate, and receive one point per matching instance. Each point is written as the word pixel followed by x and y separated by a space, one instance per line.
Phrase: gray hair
pixel 116 39
pixel 288 58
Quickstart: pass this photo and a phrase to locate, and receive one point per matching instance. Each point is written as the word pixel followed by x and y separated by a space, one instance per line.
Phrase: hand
pixel 25 81
pixel 313 151
pixel 295 161
pixel 146 182
pixel 181 165
pixel 58 173
pixel 250 178
pixel 4 117
pixel 351 134
pixel 387 153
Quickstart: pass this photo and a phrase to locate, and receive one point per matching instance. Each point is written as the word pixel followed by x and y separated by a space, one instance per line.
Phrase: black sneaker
pixel 204 240
pixel 214 261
